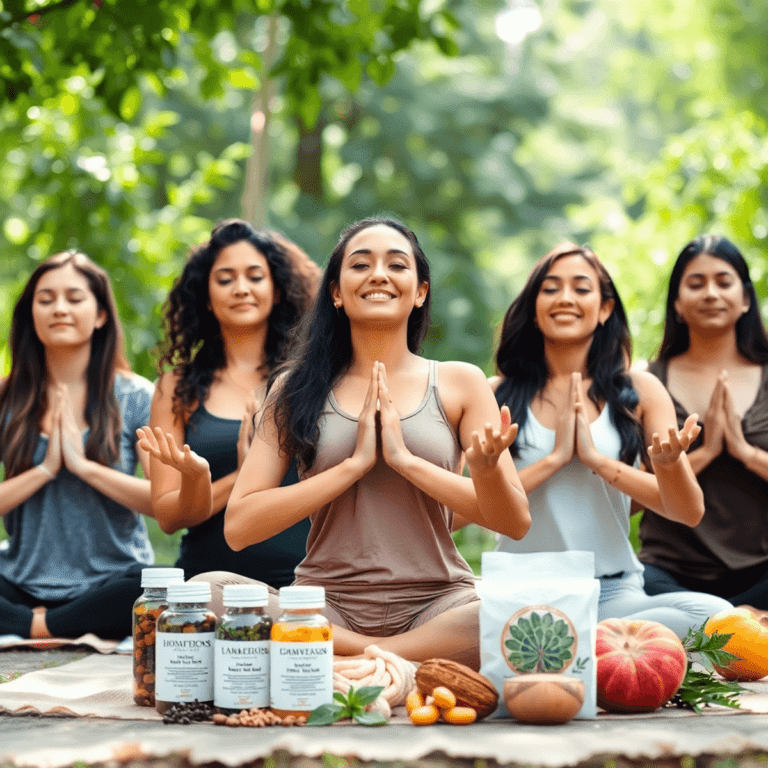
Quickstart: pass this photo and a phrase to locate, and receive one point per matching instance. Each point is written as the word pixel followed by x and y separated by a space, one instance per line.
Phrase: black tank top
pixel 203 547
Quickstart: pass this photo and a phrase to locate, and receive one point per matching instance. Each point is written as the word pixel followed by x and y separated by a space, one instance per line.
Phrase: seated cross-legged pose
pixel 584 421
pixel 378 432
pixel 229 317
pixel 714 360
pixel 72 508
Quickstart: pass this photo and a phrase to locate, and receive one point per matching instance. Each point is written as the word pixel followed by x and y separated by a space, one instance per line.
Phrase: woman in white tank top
pixel 360 409
pixel 585 420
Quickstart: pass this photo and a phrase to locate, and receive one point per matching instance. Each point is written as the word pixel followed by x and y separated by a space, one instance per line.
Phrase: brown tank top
pixel 383 534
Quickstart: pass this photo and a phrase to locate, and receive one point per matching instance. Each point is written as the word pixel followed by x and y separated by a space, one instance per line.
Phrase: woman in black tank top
pixel 229 317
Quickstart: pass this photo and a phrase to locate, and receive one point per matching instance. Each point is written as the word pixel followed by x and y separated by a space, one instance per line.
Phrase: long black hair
pixel 194 346
pixel 520 356
pixel 24 395
pixel 324 349
pixel 751 336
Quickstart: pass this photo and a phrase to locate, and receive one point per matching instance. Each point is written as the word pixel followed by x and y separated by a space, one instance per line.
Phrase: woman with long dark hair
pixel 378 432
pixel 68 416
pixel 713 360
pixel 229 319
pixel 584 421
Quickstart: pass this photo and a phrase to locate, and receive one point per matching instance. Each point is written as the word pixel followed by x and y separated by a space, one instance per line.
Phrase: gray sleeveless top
pixel 383 534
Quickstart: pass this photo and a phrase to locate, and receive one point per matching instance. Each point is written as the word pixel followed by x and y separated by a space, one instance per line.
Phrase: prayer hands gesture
pixel 247 430
pixel 53 458
pixel 715 419
pixel 733 434
pixel 365 452
pixel 572 433
pixel 163 447
pixel 664 453
pixel 484 452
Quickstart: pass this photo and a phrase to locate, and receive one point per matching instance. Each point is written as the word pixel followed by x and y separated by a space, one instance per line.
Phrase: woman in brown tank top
pixel 359 353
pixel 713 359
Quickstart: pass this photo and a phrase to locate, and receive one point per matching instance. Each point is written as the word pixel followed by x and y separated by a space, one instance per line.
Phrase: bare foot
pixel 38 628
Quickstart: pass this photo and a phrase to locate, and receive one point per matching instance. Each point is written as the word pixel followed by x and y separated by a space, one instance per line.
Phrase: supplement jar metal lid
pixel 160 577
pixel 302 597
pixel 189 592
pixel 245 595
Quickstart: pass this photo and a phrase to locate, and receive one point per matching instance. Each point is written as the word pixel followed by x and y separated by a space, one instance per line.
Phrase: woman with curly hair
pixel 585 421
pixel 714 360
pixel 69 410
pixel 229 318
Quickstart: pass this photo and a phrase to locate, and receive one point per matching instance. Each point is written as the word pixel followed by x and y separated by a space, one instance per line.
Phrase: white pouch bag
pixel 538 613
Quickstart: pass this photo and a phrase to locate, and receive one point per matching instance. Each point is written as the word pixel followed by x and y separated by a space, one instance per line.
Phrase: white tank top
pixel 575 509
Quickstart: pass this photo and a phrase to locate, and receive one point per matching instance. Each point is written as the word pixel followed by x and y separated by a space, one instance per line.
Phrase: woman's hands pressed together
pixel 72 450
pixel 733 435
pixel 366 451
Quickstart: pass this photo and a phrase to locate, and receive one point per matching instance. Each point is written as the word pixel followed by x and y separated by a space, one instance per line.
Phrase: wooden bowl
pixel 543 698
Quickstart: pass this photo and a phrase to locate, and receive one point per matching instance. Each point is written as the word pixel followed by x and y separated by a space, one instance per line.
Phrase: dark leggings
pixel 104 610
pixel 748 586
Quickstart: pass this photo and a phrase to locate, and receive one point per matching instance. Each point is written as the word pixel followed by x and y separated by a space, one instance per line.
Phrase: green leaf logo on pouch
pixel 539 638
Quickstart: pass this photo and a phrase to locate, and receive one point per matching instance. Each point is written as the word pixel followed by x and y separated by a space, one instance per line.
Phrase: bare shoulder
pixel 457 373
pixel 647 385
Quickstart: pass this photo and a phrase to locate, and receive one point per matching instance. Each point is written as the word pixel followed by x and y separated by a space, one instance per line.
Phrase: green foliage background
pixel 129 128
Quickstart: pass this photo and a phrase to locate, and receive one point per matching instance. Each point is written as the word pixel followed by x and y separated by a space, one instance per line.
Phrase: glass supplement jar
pixel 184 639
pixel 241 651
pixel 301 656
pixel 150 604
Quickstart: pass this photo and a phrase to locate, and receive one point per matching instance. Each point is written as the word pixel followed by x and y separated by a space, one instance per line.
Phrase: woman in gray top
pixel 69 501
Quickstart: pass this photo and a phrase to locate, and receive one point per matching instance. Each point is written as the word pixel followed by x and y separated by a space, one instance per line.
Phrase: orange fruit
pixel 749 643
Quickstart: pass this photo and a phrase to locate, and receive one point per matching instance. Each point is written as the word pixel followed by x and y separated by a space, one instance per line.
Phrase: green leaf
pixel 365 695
pixel 369 718
pixel 326 714
pixel 130 103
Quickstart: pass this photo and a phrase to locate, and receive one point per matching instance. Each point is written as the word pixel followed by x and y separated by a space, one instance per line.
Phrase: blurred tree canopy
pixel 494 128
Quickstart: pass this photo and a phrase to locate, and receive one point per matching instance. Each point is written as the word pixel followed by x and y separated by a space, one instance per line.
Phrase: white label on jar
pixel 301 675
pixel 241 674
pixel 184 666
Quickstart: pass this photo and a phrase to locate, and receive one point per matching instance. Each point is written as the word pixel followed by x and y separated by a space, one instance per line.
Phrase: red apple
pixel 640 665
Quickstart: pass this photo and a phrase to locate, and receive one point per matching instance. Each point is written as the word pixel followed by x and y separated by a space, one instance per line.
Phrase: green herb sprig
pixel 701 688
pixel 352 705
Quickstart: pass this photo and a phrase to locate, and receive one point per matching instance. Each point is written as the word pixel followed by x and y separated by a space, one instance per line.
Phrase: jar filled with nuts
pixel 301 656
pixel 185 639
pixel 241 652
pixel 151 603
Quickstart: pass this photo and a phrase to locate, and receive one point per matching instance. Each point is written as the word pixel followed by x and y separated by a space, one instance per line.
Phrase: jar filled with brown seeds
pixel 150 604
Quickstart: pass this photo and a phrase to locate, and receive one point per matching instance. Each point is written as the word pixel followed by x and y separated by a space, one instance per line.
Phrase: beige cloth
pixel 89 640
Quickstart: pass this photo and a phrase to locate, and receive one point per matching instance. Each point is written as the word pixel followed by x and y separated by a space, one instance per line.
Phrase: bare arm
pixel 181 493
pixel 672 491
pixel 260 508
pixel 492 496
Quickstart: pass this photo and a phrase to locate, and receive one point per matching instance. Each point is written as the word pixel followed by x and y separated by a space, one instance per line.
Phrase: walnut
pixel 470 688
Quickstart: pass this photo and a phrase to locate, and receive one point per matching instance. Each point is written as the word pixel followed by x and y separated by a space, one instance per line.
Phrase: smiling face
pixel 65 311
pixel 569 304
pixel 240 287
pixel 378 276
pixel 711 297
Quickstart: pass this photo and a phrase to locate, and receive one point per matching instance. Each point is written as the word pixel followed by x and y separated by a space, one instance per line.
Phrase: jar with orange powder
pixel 301 668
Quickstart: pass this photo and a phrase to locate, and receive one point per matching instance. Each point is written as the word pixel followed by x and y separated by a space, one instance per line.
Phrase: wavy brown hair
pixel 194 346
pixel 24 394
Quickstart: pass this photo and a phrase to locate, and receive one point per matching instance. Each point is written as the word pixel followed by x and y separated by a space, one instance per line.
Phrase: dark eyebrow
pixel 367 252
pixel 576 277
pixel 723 273
pixel 72 289
pixel 231 269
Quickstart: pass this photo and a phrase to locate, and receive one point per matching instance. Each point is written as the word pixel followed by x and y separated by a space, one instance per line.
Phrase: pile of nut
pixel 184 713
pixel 451 691
pixel 258 718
